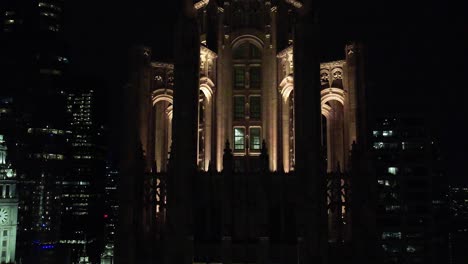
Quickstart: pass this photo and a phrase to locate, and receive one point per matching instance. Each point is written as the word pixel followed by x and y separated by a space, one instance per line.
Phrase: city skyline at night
pixel 232 131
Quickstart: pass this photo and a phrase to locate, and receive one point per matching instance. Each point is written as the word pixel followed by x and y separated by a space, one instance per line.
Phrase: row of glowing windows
pixel 396 249
pixel 46 131
pixel 385 133
pixel 51 6
pixel 82 144
pixel 49 14
pixel 254 138
pixel 75 183
pixel 83 157
pixel 8 192
pixel 48 156
pixel 255 109
pixel 394 145
pixel 75 195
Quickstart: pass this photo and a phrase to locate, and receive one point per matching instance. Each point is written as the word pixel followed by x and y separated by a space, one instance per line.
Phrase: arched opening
pixel 162 106
pixel 333 131
pixel 247 101
pixel 205 123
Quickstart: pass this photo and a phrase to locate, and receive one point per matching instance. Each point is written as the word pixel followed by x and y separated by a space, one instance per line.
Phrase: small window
pixel 392 170
pixel 255 77
pixel 255 142
pixel 391 235
pixel 239 107
pixel 239 78
pixel 239 139
pixel 5 233
pixel 255 108
pixel 387 133
pixel 7 191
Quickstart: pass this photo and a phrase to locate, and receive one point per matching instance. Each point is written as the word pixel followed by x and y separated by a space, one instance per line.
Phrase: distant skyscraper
pixel 34 63
pixel 83 186
pixel 111 210
pixel 8 207
pixel 412 207
pixel 459 224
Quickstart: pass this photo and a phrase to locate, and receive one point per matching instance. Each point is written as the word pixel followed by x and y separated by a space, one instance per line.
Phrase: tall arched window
pixel 247 84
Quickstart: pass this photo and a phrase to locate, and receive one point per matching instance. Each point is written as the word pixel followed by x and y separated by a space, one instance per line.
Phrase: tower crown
pixel 5 170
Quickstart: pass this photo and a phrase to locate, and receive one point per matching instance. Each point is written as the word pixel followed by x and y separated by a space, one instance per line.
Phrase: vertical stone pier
pixel 185 128
pixel 312 181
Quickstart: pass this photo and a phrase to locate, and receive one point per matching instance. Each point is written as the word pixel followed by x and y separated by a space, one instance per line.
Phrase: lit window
pixel 55 28
pixel 239 139
pixel 255 107
pixel 255 142
pixel 391 235
pixel 392 208
pixel 9 21
pixel 239 107
pixel 410 249
pixel 48 14
pixel 376 133
pixel 392 170
pixel 379 145
pixel 388 133
pixel 239 78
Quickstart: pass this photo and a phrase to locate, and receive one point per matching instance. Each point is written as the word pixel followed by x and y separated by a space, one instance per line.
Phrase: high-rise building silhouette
pixel 412 215
pixel 34 63
pixel 111 210
pixel 83 186
pixel 8 207
pixel 458 233
pixel 247 149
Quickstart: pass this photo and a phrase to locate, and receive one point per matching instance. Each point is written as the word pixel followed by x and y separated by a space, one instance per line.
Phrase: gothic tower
pixel 247 138
pixel 8 207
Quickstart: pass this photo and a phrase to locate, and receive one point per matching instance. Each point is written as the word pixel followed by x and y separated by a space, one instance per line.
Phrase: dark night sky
pixel 417 54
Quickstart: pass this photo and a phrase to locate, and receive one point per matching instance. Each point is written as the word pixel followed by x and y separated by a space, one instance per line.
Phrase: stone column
pixel 330 160
pixel 351 100
pixel 208 129
pixel 309 163
pixel 224 71
pixel 185 132
pixel 159 134
pixel 169 139
pixel 335 133
pixel 285 131
pixel 270 88
pixel 136 99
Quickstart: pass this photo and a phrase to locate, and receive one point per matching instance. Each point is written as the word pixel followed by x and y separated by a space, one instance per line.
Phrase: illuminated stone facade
pixel 248 85
pixel 8 207
pixel 247 139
